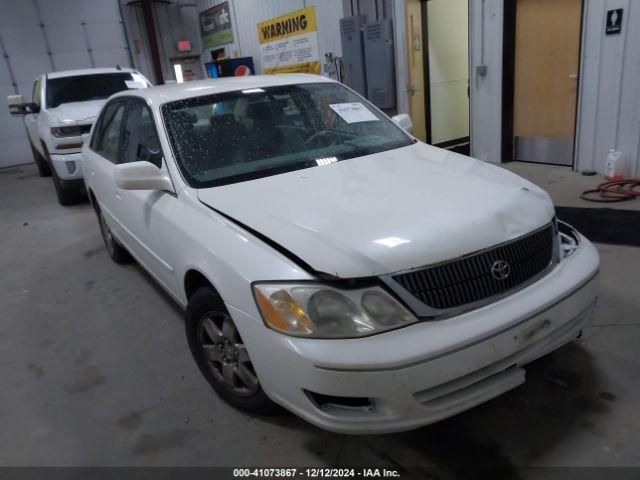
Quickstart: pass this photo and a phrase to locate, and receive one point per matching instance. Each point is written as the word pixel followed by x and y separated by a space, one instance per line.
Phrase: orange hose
pixel 610 192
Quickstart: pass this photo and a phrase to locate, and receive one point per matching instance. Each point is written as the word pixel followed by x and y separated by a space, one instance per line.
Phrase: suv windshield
pixel 238 136
pixel 86 87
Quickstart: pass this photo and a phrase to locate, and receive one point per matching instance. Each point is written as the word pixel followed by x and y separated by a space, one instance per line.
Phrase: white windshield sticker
pixel 134 85
pixel 353 112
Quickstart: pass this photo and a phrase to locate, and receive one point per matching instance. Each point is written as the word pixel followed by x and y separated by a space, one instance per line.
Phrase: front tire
pixel 43 167
pixel 66 195
pixel 116 251
pixel 221 354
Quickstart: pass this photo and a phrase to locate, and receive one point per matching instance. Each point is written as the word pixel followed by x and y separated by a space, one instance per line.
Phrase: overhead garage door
pixel 40 36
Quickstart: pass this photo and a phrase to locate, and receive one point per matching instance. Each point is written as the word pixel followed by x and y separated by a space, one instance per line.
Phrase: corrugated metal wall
pixel 609 115
pixel 609 103
pixel 247 13
pixel 40 36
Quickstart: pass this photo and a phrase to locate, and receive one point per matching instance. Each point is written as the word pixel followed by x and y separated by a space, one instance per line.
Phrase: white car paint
pixel 394 231
pixel 410 207
pixel 39 124
pixel 80 112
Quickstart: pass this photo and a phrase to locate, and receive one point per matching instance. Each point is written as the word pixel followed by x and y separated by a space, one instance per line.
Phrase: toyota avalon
pixel 328 261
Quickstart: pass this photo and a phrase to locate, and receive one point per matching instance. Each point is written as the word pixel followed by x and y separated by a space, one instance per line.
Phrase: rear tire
pixel 116 251
pixel 221 354
pixel 43 167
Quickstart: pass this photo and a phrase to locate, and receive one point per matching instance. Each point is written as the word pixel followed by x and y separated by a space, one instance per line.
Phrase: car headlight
pixel 70 131
pixel 321 311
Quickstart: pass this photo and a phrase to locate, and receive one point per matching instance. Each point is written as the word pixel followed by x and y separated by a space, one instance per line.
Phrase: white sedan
pixel 328 261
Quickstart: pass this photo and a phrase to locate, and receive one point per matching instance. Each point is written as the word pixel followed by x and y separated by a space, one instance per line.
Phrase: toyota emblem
pixel 500 270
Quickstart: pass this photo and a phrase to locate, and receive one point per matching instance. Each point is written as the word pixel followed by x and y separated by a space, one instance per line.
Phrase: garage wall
pixel 394 10
pixel 609 114
pixel 174 21
pixel 40 36
pixel 609 101
pixel 245 15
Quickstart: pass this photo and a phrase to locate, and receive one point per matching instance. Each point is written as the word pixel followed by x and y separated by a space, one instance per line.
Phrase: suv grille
pixel 481 275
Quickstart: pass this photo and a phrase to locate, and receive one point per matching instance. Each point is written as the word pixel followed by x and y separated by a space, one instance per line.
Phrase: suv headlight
pixel 321 311
pixel 70 131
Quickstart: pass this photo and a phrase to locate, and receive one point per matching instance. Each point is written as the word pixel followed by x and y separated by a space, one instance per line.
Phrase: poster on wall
pixel 289 43
pixel 215 25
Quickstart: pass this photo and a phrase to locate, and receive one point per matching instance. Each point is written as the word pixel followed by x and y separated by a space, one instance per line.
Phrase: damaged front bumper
pixel 423 373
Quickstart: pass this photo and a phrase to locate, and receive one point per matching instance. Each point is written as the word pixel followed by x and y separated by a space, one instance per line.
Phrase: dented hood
pixel 386 212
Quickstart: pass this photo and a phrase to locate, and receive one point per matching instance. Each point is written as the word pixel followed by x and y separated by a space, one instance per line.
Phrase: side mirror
pixel 403 121
pixel 141 176
pixel 17 105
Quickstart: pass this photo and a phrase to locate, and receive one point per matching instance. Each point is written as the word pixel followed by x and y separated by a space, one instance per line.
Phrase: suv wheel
pixel 66 195
pixel 41 162
pixel 116 251
pixel 221 354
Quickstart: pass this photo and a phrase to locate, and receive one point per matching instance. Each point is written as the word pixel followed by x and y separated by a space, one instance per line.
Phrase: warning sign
pixel 289 43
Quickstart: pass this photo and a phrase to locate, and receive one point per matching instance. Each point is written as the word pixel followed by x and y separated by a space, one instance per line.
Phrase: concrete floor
pixel 95 370
pixel 565 186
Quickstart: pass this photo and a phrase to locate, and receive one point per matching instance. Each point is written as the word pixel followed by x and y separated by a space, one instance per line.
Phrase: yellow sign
pixel 289 43
pixel 308 67
pixel 288 25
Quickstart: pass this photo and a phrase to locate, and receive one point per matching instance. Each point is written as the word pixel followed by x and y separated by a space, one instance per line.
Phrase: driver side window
pixel 140 141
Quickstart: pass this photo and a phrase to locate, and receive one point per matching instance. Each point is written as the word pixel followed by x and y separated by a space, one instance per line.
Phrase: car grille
pixel 478 276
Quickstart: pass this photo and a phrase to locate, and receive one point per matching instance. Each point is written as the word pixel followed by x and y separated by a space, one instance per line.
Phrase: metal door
pixel 547 57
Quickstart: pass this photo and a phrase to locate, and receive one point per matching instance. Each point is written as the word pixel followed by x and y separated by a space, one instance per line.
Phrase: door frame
pixel 427 77
pixel 508 82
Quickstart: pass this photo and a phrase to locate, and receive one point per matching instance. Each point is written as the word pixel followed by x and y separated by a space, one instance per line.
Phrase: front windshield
pixel 238 136
pixel 83 88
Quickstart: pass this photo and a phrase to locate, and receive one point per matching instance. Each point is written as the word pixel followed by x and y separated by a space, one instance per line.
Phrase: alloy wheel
pixel 226 355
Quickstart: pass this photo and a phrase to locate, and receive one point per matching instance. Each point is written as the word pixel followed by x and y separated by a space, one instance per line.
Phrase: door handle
pixel 574 76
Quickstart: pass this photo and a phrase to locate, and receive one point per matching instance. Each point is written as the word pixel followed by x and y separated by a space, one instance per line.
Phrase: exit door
pixel 547 61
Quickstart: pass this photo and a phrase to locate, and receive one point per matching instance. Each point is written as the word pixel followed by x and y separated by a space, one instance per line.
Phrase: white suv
pixel 59 117
pixel 327 260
